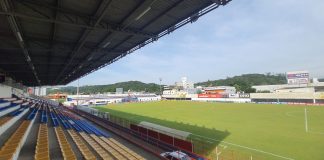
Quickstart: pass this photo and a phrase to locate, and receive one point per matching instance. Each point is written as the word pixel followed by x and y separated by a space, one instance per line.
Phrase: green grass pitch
pixel 264 131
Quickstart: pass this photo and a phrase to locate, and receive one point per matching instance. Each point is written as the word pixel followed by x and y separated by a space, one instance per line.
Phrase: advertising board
pixel 212 96
pixel 233 95
pixel 244 95
pixel 321 96
pixel 297 77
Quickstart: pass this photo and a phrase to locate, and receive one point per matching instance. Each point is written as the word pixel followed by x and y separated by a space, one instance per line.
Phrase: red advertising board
pixel 210 96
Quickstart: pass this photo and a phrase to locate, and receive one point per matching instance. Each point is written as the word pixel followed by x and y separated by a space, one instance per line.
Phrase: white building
pixel 273 88
pixel 220 89
pixel 40 91
pixel 185 84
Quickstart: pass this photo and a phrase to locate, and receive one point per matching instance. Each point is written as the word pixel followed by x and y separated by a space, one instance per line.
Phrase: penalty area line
pixel 249 148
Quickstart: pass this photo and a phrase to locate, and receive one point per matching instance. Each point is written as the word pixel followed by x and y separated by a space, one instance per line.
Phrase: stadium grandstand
pixel 54 42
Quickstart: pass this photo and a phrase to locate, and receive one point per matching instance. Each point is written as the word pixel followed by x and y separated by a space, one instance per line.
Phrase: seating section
pixel 32 114
pixel 18 101
pixel 54 119
pixel 7 109
pixel 96 137
pixel 111 150
pixel 85 151
pixel 15 142
pixel 4 103
pixel 4 120
pixel 84 133
pixel 66 149
pixel 92 142
pixel 101 151
pixel 43 116
pixel 9 120
pixel 9 99
pixel 122 149
pixel 42 148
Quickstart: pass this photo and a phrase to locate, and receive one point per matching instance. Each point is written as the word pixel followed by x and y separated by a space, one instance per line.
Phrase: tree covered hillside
pixel 241 83
pixel 130 85
pixel 246 81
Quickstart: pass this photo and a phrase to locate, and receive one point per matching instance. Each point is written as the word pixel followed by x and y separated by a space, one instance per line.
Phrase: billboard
pixel 212 96
pixel 233 95
pixel 119 90
pixel 244 95
pixel 297 77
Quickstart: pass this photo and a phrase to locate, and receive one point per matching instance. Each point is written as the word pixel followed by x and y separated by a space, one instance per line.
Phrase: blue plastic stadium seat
pixel 91 128
pixel 32 114
pixel 17 112
pixel 98 130
pixel 11 105
pixel 54 119
pixel 85 129
pixel 44 117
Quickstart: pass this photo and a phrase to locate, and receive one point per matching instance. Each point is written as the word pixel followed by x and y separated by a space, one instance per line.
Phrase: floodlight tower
pixel 160 86
pixel 78 93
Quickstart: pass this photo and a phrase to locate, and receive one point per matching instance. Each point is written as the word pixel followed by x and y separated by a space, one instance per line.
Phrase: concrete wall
pixel 180 96
pixel 5 91
pixel 296 90
pixel 234 100
pixel 146 99
pixel 272 88
pixel 317 95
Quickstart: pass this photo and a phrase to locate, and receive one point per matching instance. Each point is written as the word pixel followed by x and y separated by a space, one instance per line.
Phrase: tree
pixel 237 87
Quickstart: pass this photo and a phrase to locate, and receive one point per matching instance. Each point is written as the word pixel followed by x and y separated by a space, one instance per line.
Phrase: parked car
pixel 175 155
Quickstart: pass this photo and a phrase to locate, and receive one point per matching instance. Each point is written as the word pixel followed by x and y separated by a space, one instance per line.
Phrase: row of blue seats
pixel 32 114
pixel 94 129
pixel 75 124
pixel 82 128
pixel 44 117
pixel 64 122
pixel 11 105
pixel 17 112
pixel 81 125
pixel 54 119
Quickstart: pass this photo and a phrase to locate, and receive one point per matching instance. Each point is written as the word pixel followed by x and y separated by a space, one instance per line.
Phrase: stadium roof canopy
pixel 54 42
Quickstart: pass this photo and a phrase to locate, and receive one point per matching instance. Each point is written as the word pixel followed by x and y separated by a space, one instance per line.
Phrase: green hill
pixel 245 81
pixel 241 83
pixel 130 85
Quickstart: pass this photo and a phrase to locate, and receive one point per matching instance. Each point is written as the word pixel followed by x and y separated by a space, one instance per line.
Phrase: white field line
pixel 315 132
pixel 289 114
pixel 245 147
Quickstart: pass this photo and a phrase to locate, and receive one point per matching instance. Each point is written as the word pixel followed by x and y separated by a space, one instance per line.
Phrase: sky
pixel 245 36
